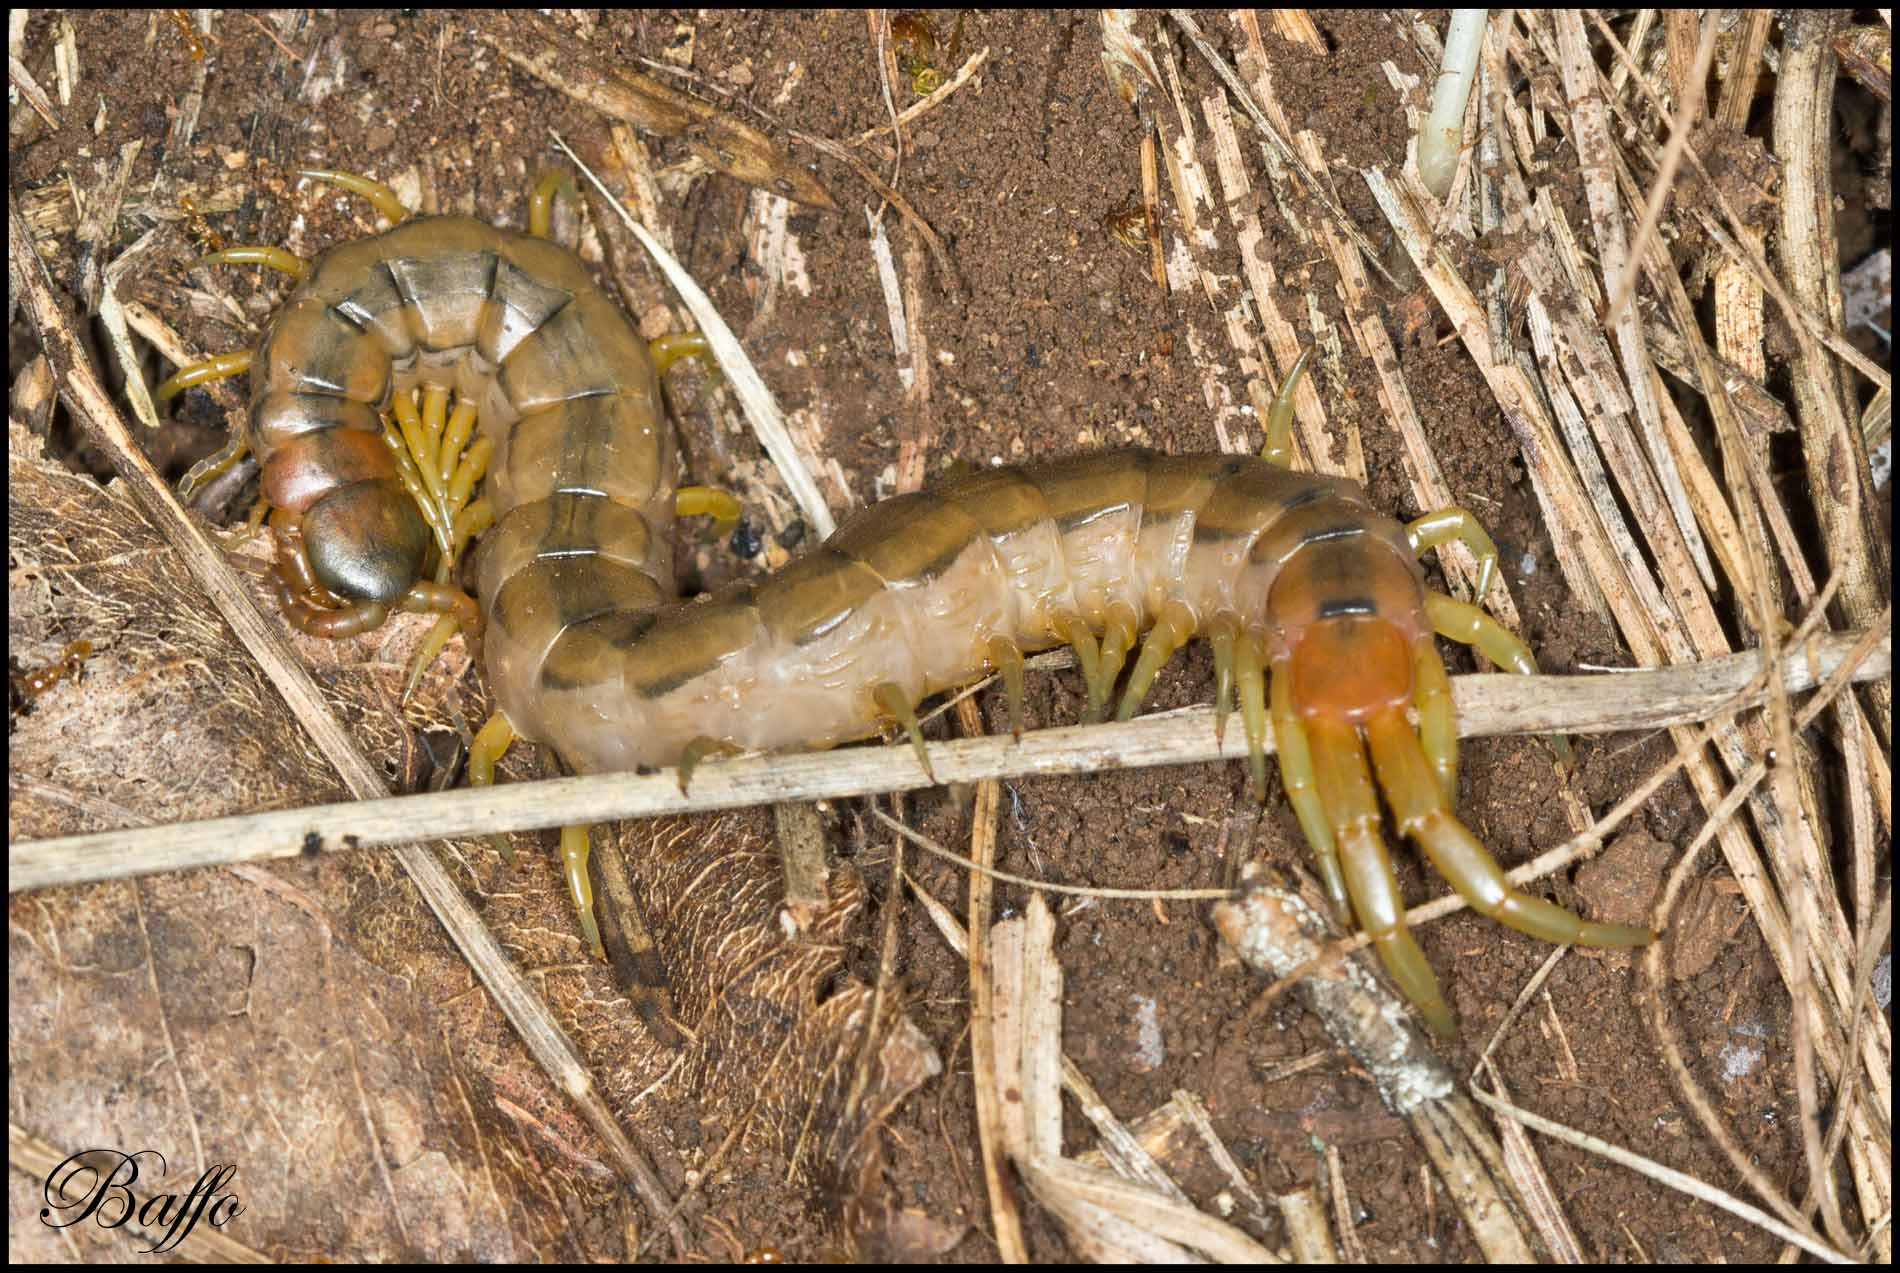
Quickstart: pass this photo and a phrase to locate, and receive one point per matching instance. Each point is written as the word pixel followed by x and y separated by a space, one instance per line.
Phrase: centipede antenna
pixel 216 367
pixel 280 259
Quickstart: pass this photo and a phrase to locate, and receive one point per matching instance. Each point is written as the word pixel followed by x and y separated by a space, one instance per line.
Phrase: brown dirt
pixel 1054 341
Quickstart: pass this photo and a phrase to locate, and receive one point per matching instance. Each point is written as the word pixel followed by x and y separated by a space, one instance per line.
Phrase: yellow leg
pixel 1419 809
pixel 699 750
pixel 1005 657
pixel 1119 627
pixel 1251 686
pixel 483 753
pixel 1437 726
pixel 1462 525
pixel 894 703
pixel 265 254
pixel 1279 448
pixel 541 202
pixel 1222 632
pixel 375 191
pixel 576 845
pixel 459 613
pixel 1345 788
pixel 1071 627
pixel 455 442
pixel 1172 630
pixel 1471 626
pixel 708 501
pixel 212 465
pixel 667 350
pixel 218 367
pixel 1302 791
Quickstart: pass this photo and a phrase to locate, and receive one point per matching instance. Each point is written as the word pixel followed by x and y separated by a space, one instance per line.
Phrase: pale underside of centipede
pixel 1312 599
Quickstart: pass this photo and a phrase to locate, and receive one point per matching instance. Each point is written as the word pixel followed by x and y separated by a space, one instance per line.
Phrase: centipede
pixel 409 367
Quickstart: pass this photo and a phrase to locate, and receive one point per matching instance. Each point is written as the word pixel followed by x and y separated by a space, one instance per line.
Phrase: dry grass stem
pixel 1486 705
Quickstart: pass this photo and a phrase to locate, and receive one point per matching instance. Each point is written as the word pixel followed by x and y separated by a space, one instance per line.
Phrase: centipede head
pixel 1351 668
pixel 1348 613
pixel 366 542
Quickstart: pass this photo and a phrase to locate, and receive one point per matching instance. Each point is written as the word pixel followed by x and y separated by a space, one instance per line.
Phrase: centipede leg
pixel 1173 628
pixel 1250 684
pixel 695 501
pixel 269 255
pixel 1278 450
pixel 1437 725
pixel 895 703
pixel 217 367
pixel 708 501
pixel 1462 525
pixel 541 200
pixel 1119 626
pixel 375 191
pixel 1420 811
pixel 1345 789
pixel 701 749
pixel 459 613
pixel 488 747
pixel 669 349
pixel 1221 634
pixel 1069 626
pixel 218 462
pixel 1302 790
pixel 1471 626
pixel 576 845
pixel 1005 657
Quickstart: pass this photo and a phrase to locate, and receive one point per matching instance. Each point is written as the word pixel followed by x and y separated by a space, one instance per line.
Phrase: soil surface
pixel 1052 338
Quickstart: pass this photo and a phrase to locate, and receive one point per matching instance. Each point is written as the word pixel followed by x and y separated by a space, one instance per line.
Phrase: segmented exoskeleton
pixel 1296 580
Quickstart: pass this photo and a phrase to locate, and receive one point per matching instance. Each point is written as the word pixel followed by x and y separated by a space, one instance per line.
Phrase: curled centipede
pixel 1312 599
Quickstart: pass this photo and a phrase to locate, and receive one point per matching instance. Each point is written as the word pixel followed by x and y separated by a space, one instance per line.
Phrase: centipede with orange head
pixel 1313 600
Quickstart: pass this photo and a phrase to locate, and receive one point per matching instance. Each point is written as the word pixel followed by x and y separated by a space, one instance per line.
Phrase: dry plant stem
pixel 1275 141
pixel 1805 874
pixel 1525 1170
pixel 92 407
pixel 1485 705
pixel 1655 999
pixel 723 143
pixel 1652 631
pixel 1677 1180
pixel 1596 150
pixel 1836 454
pixel 1006 1220
pixel 1688 114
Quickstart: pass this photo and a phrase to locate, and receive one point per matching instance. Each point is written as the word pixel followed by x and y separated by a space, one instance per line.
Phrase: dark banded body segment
pixel 913 592
pixel 565 391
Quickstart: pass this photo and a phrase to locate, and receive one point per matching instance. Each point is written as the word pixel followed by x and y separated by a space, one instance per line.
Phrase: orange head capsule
pixel 1351 668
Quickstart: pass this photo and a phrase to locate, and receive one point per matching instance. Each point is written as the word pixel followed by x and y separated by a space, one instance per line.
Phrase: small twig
pixel 1486 705
pixel 1654 1170
pixel 915 110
